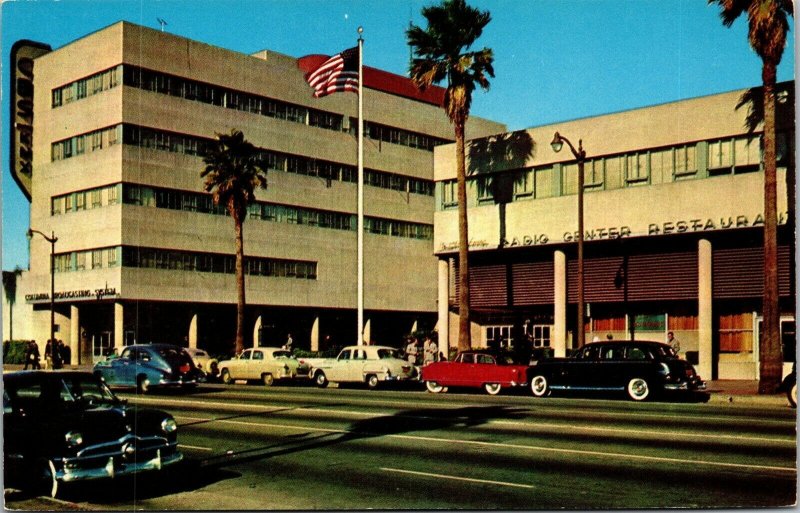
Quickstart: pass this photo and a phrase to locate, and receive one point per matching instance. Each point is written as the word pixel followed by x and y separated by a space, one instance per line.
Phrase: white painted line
pixel 197 447
pixel 456 478
pixel 659 459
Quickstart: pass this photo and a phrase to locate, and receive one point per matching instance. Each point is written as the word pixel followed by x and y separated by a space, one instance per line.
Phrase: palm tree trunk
pixel 240 299
pixel 464 335
pixel 769 342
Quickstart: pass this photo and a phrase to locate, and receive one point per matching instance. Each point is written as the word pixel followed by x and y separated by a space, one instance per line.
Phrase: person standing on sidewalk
pixel 673 342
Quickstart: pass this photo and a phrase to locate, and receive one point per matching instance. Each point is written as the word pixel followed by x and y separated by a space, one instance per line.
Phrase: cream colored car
pixel 362 364
pixel 266 364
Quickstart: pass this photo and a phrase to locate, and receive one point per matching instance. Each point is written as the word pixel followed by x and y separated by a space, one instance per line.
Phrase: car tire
pixel 44 479
pixel 320 379
pixel 142 384
pixel 638 389
pixel 791 395
pixel 492 388
pixel 434 387
pixel 372 381
pixel 539 386
pixel 268 379
pixel 225 377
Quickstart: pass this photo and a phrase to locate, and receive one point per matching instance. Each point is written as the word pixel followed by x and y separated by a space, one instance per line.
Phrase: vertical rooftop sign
pixel 21 148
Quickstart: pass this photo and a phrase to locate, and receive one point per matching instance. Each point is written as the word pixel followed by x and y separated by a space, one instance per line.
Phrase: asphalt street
pixel 249 447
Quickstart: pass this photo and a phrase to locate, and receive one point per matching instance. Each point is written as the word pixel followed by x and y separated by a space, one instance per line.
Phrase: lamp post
pixel 52 240
pixel 580 155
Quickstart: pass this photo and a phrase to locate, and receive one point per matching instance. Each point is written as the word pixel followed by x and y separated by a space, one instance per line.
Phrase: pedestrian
pixel 35 355
pixel 26 355
pixel 56 355
pixel 66 353
pixel 48 354
pixel 288 345
pixel 673 342
pixel 411 351
pixel 429 351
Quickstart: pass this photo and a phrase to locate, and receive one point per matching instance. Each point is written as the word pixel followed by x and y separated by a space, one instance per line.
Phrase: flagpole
pixel 360 330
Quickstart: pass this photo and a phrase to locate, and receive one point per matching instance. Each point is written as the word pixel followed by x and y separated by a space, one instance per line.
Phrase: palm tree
pixel 768 25
pixel 233 171
pixel 441 53
pixel 10 289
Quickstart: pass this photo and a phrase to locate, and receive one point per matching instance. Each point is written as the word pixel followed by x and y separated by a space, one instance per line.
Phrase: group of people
pixel 428 353
pixel 55 354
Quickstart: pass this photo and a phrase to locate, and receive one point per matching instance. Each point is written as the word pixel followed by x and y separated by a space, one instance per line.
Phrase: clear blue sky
pixel 555 60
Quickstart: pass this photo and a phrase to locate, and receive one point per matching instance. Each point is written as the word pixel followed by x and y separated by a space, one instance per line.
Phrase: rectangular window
pixel 543 178
pixel 97 140
pixel 636 168
pixel 57 206
pixel 661 166
pixel 523 183
pixel 111 257
pixel 736 333
pixel 747 154
pixel 56 97
pixel 593 174
pixel 685 160
pixel 720 155
pixel 97 198
pixel 80 260
pixel 80 201
pixel 97 259
pixel 484 185
pixel 113 194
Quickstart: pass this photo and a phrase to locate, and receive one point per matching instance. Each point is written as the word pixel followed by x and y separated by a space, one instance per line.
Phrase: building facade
pixel 120 121
pixel 673 213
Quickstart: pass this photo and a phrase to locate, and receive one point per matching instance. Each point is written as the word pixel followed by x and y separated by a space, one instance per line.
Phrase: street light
pixel 580 155
pixel 52 240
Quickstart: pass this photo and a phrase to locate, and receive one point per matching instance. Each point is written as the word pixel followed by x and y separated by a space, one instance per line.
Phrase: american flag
pixel 339 73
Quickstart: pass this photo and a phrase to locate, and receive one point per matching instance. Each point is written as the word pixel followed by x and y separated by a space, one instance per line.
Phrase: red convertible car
pixel 489 370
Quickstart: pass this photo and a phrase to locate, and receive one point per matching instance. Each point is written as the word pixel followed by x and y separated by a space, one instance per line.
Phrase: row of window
pixel 83 200
pixel 737 155
pixel 84 143
pixel 192 145
pixel 152 258
pixel 88 86
pixel 90 259
pixel 133 194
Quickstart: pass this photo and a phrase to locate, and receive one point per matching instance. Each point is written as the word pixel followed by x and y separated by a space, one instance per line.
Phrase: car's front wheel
pixel 638 389
pixel 433 387
pixel 225 377
pixel 142 385
pixel 268 379
pixel 539 386
pixel 372 381
pixel 320 379
pixel 45 482
pixel 791 394
pixel 492 388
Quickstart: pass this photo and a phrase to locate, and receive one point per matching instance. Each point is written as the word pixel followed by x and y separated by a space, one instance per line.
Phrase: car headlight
pixel 169 425
pixel 73 438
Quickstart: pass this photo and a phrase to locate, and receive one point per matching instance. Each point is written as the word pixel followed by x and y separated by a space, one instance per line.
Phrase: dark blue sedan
pixel 150 365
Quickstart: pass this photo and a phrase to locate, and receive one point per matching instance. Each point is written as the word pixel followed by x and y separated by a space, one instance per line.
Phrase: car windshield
pixel 281 354
pixel 384 354
pixel 88 389
pixel 666 351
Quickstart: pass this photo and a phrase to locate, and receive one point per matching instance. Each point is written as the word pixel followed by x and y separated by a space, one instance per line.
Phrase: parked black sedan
pixel 65 426
pixel 641 369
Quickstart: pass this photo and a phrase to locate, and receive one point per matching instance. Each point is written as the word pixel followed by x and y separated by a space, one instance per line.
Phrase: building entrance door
pixel 101 346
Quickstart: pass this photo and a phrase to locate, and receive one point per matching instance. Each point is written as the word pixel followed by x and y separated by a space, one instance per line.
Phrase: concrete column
pixel 315 334
pixel 443 298
pixel 119 327
pixel 193 332
pixel 559 338
pixel 74 335
pixel 256 329
pixel 704 310
pixel 368 331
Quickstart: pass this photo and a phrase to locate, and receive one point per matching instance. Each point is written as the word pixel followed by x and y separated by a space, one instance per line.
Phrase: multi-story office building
pixel 121 119
pixel 674 202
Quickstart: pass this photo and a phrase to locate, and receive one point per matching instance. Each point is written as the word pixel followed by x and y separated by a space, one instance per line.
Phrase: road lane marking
pixel 581 452
pixel 196 447
pixel 456 478
pixel 532 423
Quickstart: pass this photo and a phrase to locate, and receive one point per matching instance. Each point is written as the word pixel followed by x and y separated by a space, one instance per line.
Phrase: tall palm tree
pixel 441 53
pixel 233 172
pixel 10 289
pixel 768 25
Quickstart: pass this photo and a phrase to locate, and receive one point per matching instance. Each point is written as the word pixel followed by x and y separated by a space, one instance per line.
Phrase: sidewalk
pixel 722 390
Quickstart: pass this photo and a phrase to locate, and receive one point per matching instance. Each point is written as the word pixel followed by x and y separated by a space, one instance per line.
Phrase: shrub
pixel 14 351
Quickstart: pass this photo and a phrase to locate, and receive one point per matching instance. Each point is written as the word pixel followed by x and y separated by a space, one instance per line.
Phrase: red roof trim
pixel 382 81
